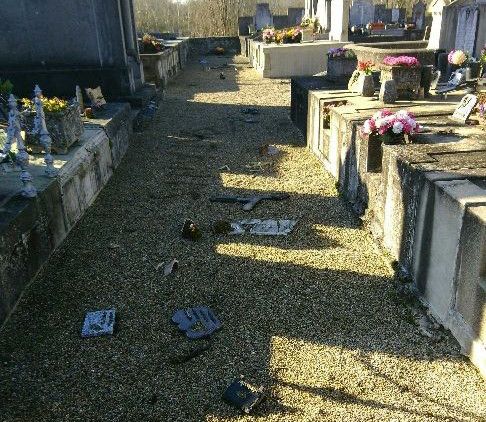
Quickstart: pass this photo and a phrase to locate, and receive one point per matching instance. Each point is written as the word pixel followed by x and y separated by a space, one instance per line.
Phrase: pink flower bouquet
pixel 406 61
pixel 385 122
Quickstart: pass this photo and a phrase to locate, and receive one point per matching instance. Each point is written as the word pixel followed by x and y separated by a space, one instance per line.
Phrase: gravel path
pixel 313 316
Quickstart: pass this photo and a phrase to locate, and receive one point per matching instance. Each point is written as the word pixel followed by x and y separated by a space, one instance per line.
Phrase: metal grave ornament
pixel 465 108
pixel 198 322
pixel 98 323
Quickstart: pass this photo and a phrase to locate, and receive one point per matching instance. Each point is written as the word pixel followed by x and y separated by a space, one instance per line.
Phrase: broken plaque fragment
pixel 198 322
pixel 243 395
pixel 98 323
pixel 263 227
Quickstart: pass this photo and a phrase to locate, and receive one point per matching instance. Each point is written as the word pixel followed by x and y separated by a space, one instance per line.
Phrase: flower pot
pixel 307 34
pixel 340 67
pixel 65 129
pixel 406 78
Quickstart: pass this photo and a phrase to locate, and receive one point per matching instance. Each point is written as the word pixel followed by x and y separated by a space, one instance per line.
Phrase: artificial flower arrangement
pixel 289 35
pixel 481 105
pixel 458 57
pixel 365 67
pixel 268 35
pixel 49 105
pixel 310 23
pixel 391 126
pixel 326 112
pixel 150 45
pixel 405 61
pixel 341 52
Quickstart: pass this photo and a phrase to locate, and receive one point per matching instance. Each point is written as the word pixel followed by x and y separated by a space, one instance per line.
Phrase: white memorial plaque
pixel 465 108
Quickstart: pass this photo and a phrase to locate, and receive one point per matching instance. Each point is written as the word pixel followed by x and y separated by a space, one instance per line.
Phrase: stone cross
pixel 22 158
pixel 40 128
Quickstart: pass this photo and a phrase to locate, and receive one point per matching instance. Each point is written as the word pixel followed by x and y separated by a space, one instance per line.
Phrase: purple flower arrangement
pixel 406 61
pixel 341 52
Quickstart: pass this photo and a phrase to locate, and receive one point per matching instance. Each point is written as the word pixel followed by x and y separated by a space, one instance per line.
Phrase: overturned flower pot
pixel 64 127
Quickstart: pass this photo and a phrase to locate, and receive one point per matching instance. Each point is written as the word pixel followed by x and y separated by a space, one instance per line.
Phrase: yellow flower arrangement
pixel 50 105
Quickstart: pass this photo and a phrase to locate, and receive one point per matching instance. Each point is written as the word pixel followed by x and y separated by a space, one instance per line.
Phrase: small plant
pixel 50 105
pixel 326 112
pixel 6 87
pixel 150 44
pixel 405 61
pixel 365 67
pixel 342 52
pixel 268 35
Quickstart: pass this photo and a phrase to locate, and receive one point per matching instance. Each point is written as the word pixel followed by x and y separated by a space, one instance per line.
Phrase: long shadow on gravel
pixel 314 316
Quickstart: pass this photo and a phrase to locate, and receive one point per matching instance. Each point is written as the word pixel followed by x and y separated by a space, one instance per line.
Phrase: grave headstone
pixel 388 92
pixel 353 81
pixel 361 13
pixel 465 108
pixel 467 25
pixel 263 16
pixel 280 21
pixel 436 29
pixel 244 23
pixel 295 15
pixel 418 14
pixel 382 14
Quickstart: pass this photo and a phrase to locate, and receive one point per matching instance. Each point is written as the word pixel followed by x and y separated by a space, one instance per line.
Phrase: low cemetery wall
pixel 203 46
pixel 288 60
pixel 31 229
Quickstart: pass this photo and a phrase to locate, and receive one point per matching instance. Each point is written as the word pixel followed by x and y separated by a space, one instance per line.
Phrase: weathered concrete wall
pixel 30 230
pixel 424 202
pixel 203 46
pixel 289 60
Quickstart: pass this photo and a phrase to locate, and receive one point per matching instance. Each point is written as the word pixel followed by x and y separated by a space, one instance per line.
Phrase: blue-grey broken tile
pixel 98 323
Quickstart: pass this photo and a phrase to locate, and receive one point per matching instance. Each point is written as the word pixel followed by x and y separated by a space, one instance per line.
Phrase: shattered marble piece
pixel 263 227
pixel 98 323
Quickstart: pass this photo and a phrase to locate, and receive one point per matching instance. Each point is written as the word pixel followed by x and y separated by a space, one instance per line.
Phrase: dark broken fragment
pixel 250 110
pixel 243 395
pixel 190 230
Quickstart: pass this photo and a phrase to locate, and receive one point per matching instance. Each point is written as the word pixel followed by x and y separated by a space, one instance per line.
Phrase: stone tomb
pixel 425 202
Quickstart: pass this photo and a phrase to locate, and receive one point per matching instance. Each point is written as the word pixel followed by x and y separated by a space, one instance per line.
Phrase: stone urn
pixel 339 68
pixel 407 79
pixel 65 128
pixel 307 34
pixel 367 85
